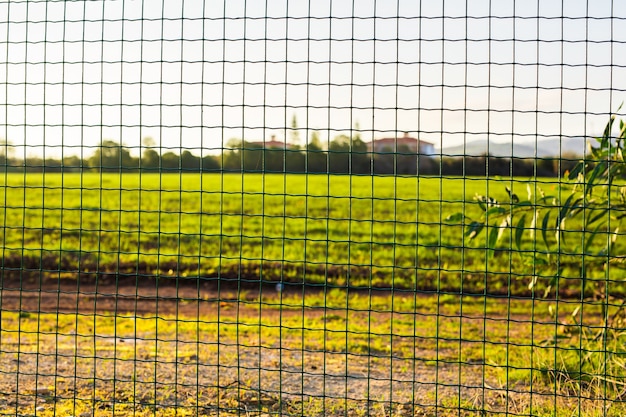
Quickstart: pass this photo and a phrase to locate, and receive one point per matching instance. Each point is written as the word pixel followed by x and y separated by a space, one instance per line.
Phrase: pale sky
pixel 193 74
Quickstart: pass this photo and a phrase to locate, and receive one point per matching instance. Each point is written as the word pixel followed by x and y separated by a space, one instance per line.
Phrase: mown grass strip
pixel 264 227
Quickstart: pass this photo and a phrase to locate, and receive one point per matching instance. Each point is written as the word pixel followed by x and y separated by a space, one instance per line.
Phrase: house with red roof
pixel 273 143
pixel 404 144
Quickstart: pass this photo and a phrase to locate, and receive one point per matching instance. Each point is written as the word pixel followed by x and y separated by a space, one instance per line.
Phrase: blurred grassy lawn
pixel 334 229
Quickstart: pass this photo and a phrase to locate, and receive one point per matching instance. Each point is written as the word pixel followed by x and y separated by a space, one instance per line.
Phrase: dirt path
pixel 238 371
pixel 143 296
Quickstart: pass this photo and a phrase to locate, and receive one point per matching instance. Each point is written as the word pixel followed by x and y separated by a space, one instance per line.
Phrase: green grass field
pixel 339 230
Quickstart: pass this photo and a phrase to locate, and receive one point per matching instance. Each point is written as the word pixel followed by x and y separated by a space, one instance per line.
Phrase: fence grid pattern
pixel 312 208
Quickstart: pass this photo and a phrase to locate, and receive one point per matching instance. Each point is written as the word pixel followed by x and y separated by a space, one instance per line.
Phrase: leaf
pixel 519 231
pixel 611 244
pixel 553 281
pixel 455 218
pixel 493 239
pixel 583 275
pixel 603 212
pixel 591 238
pixel 564 209
pixel 544 229
pixel 546 292
pixel 474 229
pixel 533 225
pixel 560 220
pixel 619 156
pixel 495 211
pixel 615 170
pixel 576 207
pixel 576 170
pixel 599 168
pixel 605 141
pixel 514 198
pixel 506 222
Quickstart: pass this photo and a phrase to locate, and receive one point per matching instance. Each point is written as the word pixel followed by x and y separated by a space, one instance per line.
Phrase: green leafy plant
pixel 567 239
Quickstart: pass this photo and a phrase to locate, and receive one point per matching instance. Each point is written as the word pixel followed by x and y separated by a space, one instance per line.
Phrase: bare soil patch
pixel 234 370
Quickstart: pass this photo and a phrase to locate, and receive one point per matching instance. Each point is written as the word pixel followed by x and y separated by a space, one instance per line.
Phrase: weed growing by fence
pixel 579 228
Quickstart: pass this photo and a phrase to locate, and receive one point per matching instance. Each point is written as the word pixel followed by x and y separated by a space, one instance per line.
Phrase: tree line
pixel 344 155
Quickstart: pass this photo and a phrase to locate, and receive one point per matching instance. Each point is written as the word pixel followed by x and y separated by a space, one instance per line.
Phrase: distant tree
pixel 356 136
pixel 6 153
pixel 295 161
pixel 359 157
pixel 112 156
pixel 405 161
pixel 189 161
pixel 295 133
pixel 339 155
pixel 37 164
pixel 545 166
pixel 210 163
pixel 316 161
pixel 148 142
pixel 268 160
pixel 232 155
pixel 427 165
pixel 566 163
pixel 348 154
pixel 150 158
pixel 408 162
pixel 383 163
pixel 170 161
pixel 72 163
pixel 315 144
pixel 231 161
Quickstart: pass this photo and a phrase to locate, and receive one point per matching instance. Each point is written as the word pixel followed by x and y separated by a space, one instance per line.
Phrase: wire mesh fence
pixel 312 208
